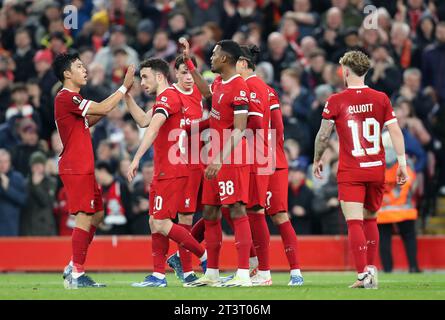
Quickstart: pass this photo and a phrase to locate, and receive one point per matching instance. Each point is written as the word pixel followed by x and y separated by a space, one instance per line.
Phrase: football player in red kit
pixel 74 115
pixel 227 175
pixel 359 115
pixel 170 174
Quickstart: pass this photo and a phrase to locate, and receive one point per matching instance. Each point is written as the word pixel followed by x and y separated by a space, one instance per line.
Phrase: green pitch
pixel 318 285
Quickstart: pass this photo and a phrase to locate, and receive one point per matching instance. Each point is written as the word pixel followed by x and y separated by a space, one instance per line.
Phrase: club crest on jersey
pixel 164 99
pixel 252 95
pixel 76 100
pixel 242 93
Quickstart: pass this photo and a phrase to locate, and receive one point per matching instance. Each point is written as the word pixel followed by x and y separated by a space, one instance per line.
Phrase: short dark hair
pixel 132 125
pixel 19 8
pixel 104 165
pixel 158 65
pixel 63 63
pixel 18 86
pixel 251 53
pixel 180 60
pixel 232 49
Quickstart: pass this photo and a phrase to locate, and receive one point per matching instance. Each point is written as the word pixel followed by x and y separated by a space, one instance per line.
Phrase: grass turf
pixel 318 285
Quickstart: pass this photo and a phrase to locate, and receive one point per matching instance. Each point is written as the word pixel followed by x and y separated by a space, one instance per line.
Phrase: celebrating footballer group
pixel 231 165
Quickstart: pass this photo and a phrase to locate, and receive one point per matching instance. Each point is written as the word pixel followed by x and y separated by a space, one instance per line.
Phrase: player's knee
pixel 237 210
pixel 98 218
pixel 256 209
pixel 159 226
pixel 83 220
pixel 185 219
pixel 280 218
pixel 210 213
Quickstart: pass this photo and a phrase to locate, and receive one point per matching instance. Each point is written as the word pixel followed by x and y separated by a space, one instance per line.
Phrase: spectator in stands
pixel 37 218
pixel 118 39
pixel 120 66
pixel 20 107
pixel 349 40
pixel 93 32
pixel 52 164
pixel 433 70
pixel 327 35
pixel 425 32
pixel 97 88
pixel 132 141
pixel 326 206
pixel 23 55
pixel 163 47
pixel 411 91
pixel 15 18
pixel 116 198
pixel 300 199
pixel 177 25
pixel 313 73
pixel 29 144
pixel 144 37
pixel 306 19
pixel 398 210
pixel 12 196
pixel 279 53
pixel 5 94
pixel 139 221
pixel 371 38
pixel 401 46
pixel 299 97
pixel 307 45
pixel 385 75
pixel 322 93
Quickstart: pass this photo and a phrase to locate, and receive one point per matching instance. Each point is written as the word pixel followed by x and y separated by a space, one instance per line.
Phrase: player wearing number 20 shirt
pixel 360 114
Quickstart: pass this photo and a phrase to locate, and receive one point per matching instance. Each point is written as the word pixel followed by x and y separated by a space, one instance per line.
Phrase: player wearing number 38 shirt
pixel 359 115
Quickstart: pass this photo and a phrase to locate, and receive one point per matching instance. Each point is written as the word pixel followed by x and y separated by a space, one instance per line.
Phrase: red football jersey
pixel 192 111
pixel 259 106
pixel 360 113
pixel 169 158
pixel 277 124
pixel 70 110
pixel 226 97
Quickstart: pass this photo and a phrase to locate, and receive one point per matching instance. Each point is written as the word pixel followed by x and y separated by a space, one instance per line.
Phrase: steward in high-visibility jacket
pixel 398 201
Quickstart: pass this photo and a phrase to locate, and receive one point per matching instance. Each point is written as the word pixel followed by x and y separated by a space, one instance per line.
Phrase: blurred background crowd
pixel 301 42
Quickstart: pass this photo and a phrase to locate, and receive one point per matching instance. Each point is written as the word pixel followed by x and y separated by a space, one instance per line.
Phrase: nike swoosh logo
pixel 185 109
pixel 222 199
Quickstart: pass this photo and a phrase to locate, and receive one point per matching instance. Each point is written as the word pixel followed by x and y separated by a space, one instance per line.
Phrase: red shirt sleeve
pixel 390 116
pixel 330 109
pixel 76 104
pixel 167 103
pixel 240 94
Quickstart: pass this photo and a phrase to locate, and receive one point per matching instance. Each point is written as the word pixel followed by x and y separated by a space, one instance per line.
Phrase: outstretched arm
pixel 200 82
pixel 102 108
pixel 142 118
pixel 321 144
pixel 149 136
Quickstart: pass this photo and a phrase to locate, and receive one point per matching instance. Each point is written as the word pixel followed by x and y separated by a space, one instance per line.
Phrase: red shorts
pixel 82 193
pixel 192 192
pixel 258 185
pixel 163 197
pixel 231 185
pixel 368 193
pixel 277 192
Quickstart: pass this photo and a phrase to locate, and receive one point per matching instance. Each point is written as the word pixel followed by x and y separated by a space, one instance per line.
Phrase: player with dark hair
pixel 170 174
pixel 359 114
pixel 227 179
pixel 74 115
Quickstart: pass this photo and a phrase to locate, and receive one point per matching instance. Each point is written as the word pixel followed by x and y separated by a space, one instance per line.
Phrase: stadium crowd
pixel 301 42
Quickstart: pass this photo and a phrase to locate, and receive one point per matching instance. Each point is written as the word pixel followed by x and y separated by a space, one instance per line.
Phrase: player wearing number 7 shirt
pixel 359 115
pixel 170 173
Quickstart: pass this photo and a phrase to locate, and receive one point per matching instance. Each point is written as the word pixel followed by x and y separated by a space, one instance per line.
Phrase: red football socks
pixel 261 239
pixel 243 240
pixel 80 241
pixel 184 239
pixel 213 237
pixel 372 239
pixel 357 243
pixel 289 239
pixel 159 245
pixel 198 230
pixel 184 255
pixel 92 232
pixel 252 251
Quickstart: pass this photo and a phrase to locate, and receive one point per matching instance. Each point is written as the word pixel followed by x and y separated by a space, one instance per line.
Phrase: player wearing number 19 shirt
pixel 360 114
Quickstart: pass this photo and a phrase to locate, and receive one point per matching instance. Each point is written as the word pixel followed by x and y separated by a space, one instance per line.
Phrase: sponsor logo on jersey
pixel 242 93
pixel 215 114
pixel 77 100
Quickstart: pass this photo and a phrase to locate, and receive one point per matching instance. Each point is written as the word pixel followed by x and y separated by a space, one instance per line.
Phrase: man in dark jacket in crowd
pixel 12 196
pixel 37 218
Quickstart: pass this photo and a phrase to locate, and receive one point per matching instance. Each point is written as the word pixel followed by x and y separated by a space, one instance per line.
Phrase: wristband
pixel 190 65
pixel 402 160
pixel 122 89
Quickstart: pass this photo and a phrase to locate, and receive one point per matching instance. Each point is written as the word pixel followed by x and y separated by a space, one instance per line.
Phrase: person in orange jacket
pixel 398 211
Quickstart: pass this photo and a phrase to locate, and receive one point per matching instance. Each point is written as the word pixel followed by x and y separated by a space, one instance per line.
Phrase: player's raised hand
pixel 402 175
pixel 132 169
pixel 129 77
pixel 212 170
pixel 186 48
pixel 317 169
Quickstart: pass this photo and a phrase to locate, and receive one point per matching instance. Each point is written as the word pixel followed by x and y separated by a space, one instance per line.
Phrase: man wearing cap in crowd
pixel 118 39
pixel 37 218
pixel 144 36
